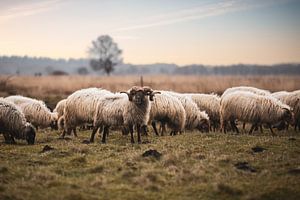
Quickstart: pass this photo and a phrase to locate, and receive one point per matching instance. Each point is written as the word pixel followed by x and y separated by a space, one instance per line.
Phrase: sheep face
pixel 138 94
pixel 287 116
pixel 29 134
pixel 138 97
pixel 54 119
pixel 54 125
pixel 204 125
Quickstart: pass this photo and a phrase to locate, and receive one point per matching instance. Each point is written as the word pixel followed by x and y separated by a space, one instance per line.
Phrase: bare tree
pixel 105 54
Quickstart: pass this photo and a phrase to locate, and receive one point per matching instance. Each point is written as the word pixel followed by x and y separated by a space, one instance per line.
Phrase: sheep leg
pixel 8 139
pixel 270 127
pixel 93 133
pixel 261 129
pixel 224 127
pixel 105 132
pixel 233 126
pixel 131 134
pixel 74 131
pixel 138 128
pixel 163 128
pixel 251 129
pixel 244 125
pixel 154 128
pixel 144 130
pixel 63 134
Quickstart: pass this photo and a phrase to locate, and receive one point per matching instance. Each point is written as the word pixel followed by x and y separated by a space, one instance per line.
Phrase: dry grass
pixel 53 88
pixel 192 166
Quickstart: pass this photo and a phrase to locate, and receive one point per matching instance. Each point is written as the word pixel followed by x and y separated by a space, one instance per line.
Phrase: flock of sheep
pixel 139 107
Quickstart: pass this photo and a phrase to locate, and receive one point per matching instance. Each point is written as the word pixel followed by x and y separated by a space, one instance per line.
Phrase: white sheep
pixel 195 119
pixel 131 110
pixel 246 89
pixel 36 111
pixel 167 109
pixel 80 108
pixel 13 123
pixel 210 103
pixel 59 109
pixel 252 108
pixel 293 100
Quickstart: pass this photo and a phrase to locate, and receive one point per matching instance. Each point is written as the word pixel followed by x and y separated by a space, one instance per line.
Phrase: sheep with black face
pixel 129 109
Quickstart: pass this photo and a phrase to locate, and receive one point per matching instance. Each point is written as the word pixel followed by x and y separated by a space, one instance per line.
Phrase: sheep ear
pixel 129 95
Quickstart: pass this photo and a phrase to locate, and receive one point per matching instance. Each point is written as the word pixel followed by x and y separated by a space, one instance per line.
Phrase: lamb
pixel 247 89
pixel 194 117
pixel 36 111
pixel 210 103
pixel 80 108
pixel 253 108
pixel 13 123
pixel 291 99
pixel 167 109
pixel 132 109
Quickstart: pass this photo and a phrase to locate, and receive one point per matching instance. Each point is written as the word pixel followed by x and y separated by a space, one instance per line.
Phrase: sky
pixel 210 32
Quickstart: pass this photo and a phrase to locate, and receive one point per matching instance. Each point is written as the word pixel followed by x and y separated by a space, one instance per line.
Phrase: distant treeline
pixel 45 66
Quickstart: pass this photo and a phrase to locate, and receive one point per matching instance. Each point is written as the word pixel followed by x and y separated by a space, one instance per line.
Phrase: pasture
pixel 192 165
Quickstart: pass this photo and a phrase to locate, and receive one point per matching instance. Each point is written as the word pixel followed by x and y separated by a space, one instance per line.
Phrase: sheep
pixel 13 123
pixel 291 99
pixel 253 108
pixel 167 110
pixel 36 111
pixel 246 89
pixel 80 108
pixel 59 109
pixel 194 117
pixel 210 103
pixel 128 110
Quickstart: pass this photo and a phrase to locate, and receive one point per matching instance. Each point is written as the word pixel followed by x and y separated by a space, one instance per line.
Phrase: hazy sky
pixel 150 31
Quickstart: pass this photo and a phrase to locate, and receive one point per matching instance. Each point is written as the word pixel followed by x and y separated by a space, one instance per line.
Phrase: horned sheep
pixel 130 110
pixel 253 108
pixel 13 124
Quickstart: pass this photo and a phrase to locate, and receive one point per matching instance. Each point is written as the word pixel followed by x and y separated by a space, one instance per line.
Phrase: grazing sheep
pixel 36 111
pixel 59 109
pixel 293 100
pixel 130 110
pixel 194 117
pixel 13 124
pixel 246 89
pixel 80 108
pixel 167 109
pixel 210 103
pixel 253 108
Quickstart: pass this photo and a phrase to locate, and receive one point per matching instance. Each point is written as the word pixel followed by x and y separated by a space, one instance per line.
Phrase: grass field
pixel 192 166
